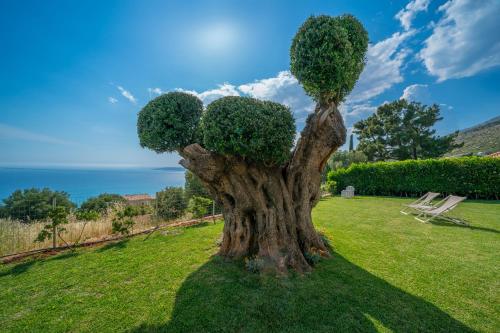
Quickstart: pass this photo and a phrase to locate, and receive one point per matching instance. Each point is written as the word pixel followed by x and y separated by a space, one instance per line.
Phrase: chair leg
pixel 423 218
pixel 455 220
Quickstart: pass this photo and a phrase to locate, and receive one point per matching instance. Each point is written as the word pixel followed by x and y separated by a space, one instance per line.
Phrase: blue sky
pixel 74 74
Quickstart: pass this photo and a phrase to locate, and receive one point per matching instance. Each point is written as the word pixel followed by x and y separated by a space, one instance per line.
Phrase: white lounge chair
pixel 445 206
pixel 424 202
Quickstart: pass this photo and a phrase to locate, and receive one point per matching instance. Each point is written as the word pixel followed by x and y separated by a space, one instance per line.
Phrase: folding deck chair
pixel 450 202
pixel 424 202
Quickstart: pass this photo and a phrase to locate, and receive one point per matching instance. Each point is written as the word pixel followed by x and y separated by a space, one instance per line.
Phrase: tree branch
pixel 203 163
pixel 323 134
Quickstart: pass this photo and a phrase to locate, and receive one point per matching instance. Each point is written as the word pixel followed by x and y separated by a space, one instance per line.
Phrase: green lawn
pixel 388 273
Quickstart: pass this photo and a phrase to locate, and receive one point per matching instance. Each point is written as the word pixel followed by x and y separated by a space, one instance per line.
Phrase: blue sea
pixel 84 183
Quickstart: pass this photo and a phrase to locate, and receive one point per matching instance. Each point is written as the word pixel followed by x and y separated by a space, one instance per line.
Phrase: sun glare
pixel 217 37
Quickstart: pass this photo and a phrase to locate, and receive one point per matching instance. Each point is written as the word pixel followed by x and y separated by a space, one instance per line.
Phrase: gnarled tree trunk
pixel 267 210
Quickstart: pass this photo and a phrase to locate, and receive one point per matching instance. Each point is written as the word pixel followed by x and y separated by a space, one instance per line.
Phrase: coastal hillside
pixel 480 139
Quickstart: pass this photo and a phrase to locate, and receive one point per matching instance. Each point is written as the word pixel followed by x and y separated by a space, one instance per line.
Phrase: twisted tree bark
pixel 267 210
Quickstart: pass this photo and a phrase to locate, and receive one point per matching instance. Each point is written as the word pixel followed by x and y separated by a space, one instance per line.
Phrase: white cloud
pixel 443 105
pixel 407 14
pixel 155 91
pixel 269 88
pixel 357 110
pixel 112 100
pixel 465 41
pixel 384 64
pixel 416 92
pixel 284 89
pixel 127 94
pixel 209 96
pixel 385 60
pixel 11 132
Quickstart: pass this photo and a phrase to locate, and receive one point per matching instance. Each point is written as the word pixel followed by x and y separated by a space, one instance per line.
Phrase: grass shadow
pixel 19 268
pixel 25 265
pixel 337 296
pixel 65 255
pixel 114 246
pixel 198 225
pixel 445 223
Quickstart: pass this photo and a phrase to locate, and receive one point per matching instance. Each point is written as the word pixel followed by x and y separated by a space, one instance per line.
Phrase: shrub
pixel 329 186
pixel 102 202
pixel 86 215
pixel 259 131
pixel 327 55
pixel 123 221
pixel 476 177
pixel 170 203
pixel 194 187
pixel 58 216
pixel 169 122
pixel 34 204
pixel 199 206
pixel 342 159
pixel 122 225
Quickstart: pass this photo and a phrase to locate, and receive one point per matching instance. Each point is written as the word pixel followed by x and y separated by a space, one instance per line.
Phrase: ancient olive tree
pixel 243 149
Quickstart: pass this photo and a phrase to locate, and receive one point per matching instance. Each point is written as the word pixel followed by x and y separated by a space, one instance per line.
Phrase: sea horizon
pixel 83 182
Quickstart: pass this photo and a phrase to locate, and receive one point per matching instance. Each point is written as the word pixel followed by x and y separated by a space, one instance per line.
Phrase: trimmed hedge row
pixel 475 177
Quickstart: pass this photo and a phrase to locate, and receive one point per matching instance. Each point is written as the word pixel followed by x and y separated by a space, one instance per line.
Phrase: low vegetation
pixel 199 206
pixel 171 203
pixel 387 272
pixel 16 236
pixel 102 202
pixel 31 205
pixel 52 220
pixel 475 177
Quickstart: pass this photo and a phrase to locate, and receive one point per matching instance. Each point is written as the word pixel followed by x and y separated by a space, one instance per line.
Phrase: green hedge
pixel 475 177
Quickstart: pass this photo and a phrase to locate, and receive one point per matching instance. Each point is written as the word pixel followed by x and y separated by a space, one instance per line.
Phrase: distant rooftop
pixel 134 197
pixel 497 154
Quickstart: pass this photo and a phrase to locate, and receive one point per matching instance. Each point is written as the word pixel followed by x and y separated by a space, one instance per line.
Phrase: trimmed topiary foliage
pixel 259 131
pixel 169 122
pixel 475 177
pixel 327 56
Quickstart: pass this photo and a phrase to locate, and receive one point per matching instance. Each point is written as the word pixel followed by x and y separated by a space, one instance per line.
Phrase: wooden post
pixel 53 225
pixel 213 210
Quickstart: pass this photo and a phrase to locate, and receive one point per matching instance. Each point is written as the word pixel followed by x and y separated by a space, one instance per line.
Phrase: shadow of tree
pixel 24 266
pixel 337 297
pixel 65 255
pixel 19 268
pixel 114 245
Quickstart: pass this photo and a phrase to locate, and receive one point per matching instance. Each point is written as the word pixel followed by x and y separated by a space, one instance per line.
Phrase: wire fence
pixel 18 233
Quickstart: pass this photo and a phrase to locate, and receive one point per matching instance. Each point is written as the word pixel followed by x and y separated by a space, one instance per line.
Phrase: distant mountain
pixel 173 169
pixel 482 139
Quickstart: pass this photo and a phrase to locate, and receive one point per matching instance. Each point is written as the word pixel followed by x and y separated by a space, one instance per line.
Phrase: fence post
pixel 53 225
pixel 213 210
